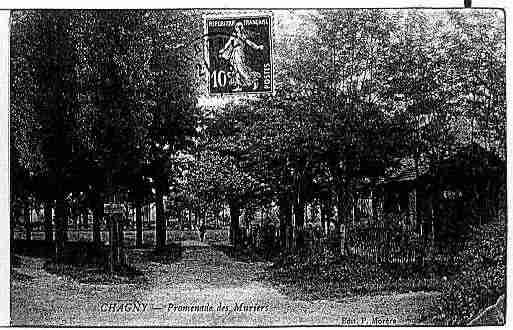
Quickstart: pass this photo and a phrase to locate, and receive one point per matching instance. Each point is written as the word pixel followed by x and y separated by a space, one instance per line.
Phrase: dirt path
pixel 204 280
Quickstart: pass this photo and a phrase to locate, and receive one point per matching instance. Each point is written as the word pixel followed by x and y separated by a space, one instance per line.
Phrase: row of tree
pixel 100 104
pixel 357 91
pixel 105 102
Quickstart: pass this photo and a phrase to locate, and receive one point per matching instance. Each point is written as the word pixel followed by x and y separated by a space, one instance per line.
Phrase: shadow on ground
pixel 87 262
pixel 75 253
pixel 242 254
pixel 89 253
pixel 170 254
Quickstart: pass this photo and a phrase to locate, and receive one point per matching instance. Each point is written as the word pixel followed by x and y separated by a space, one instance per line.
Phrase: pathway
pixel 204 288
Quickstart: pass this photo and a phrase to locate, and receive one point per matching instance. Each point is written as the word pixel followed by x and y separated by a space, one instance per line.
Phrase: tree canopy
pixel 104 101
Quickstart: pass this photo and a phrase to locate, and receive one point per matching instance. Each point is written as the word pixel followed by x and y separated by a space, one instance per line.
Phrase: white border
pixel 232 4
pixel 4 170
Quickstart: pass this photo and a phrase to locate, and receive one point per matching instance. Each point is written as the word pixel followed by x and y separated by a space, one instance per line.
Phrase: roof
pixel 468 157
pixel 406 170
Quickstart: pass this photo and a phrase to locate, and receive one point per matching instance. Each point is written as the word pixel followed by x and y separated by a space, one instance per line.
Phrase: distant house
pixel 437 199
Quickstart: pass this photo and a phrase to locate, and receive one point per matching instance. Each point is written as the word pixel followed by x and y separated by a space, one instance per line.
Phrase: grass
pixel 96 274
pixel 242 254
pixel 77 253
pixel 20 277
pixel 321 276
pixel 171 253
pixel 481 279
pixel 85 262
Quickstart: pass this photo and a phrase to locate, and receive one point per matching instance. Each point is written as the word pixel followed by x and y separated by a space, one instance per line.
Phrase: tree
pixel 438 84
pixel 334 80
pixel 172 99
pixel 44 57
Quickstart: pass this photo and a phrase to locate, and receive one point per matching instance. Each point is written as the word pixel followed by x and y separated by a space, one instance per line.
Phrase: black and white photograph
pixel 257 167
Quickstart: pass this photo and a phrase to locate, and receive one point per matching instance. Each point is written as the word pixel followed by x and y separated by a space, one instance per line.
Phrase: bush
pixel 76 253
pixel 388 243
pixel 305 261
pixel 321 275
pixel 123 274
pixel 481 280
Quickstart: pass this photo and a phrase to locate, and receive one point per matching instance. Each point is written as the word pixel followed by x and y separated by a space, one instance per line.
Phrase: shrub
pixel 123 274
pixel 321 275
pixel 388 241
pixel 76 253
pixel 481 280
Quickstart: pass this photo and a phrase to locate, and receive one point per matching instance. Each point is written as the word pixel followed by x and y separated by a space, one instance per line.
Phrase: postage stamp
pixel 239 50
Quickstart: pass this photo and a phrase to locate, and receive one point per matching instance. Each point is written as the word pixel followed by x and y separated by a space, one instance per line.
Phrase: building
pixel 437 200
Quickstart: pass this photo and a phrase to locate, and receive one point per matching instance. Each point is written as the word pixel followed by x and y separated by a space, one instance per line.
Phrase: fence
pixel 385 246
pixel 376 242
pixel 394 245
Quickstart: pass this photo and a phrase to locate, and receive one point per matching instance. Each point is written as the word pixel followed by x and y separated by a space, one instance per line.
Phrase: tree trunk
pixel 75 217
pixel 85 218
pixel 299 214
pixel 285 221
pixel 201 227
pixel 26 213
pixel 412 201
pixel 138 226
pixel 189 213
pixel 113 240
pixel 345 203
pixel 160 223
pixel 325 205
pixel 340 227
pixel 179 215
pixel 435 214
pixel 313 212
pixel 60 227
pixel 97 218
pixel 48 222
pixel 120 241
pixel 234 224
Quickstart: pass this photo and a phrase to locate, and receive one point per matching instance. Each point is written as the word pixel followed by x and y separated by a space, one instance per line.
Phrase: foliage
pixel 322 275
pixel 482 278
pixel 44 92
pixel 81 274
pixel 110 100
pixel 389 242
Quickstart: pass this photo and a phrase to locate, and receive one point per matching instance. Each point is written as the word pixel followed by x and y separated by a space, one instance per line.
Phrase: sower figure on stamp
pixel 234 51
